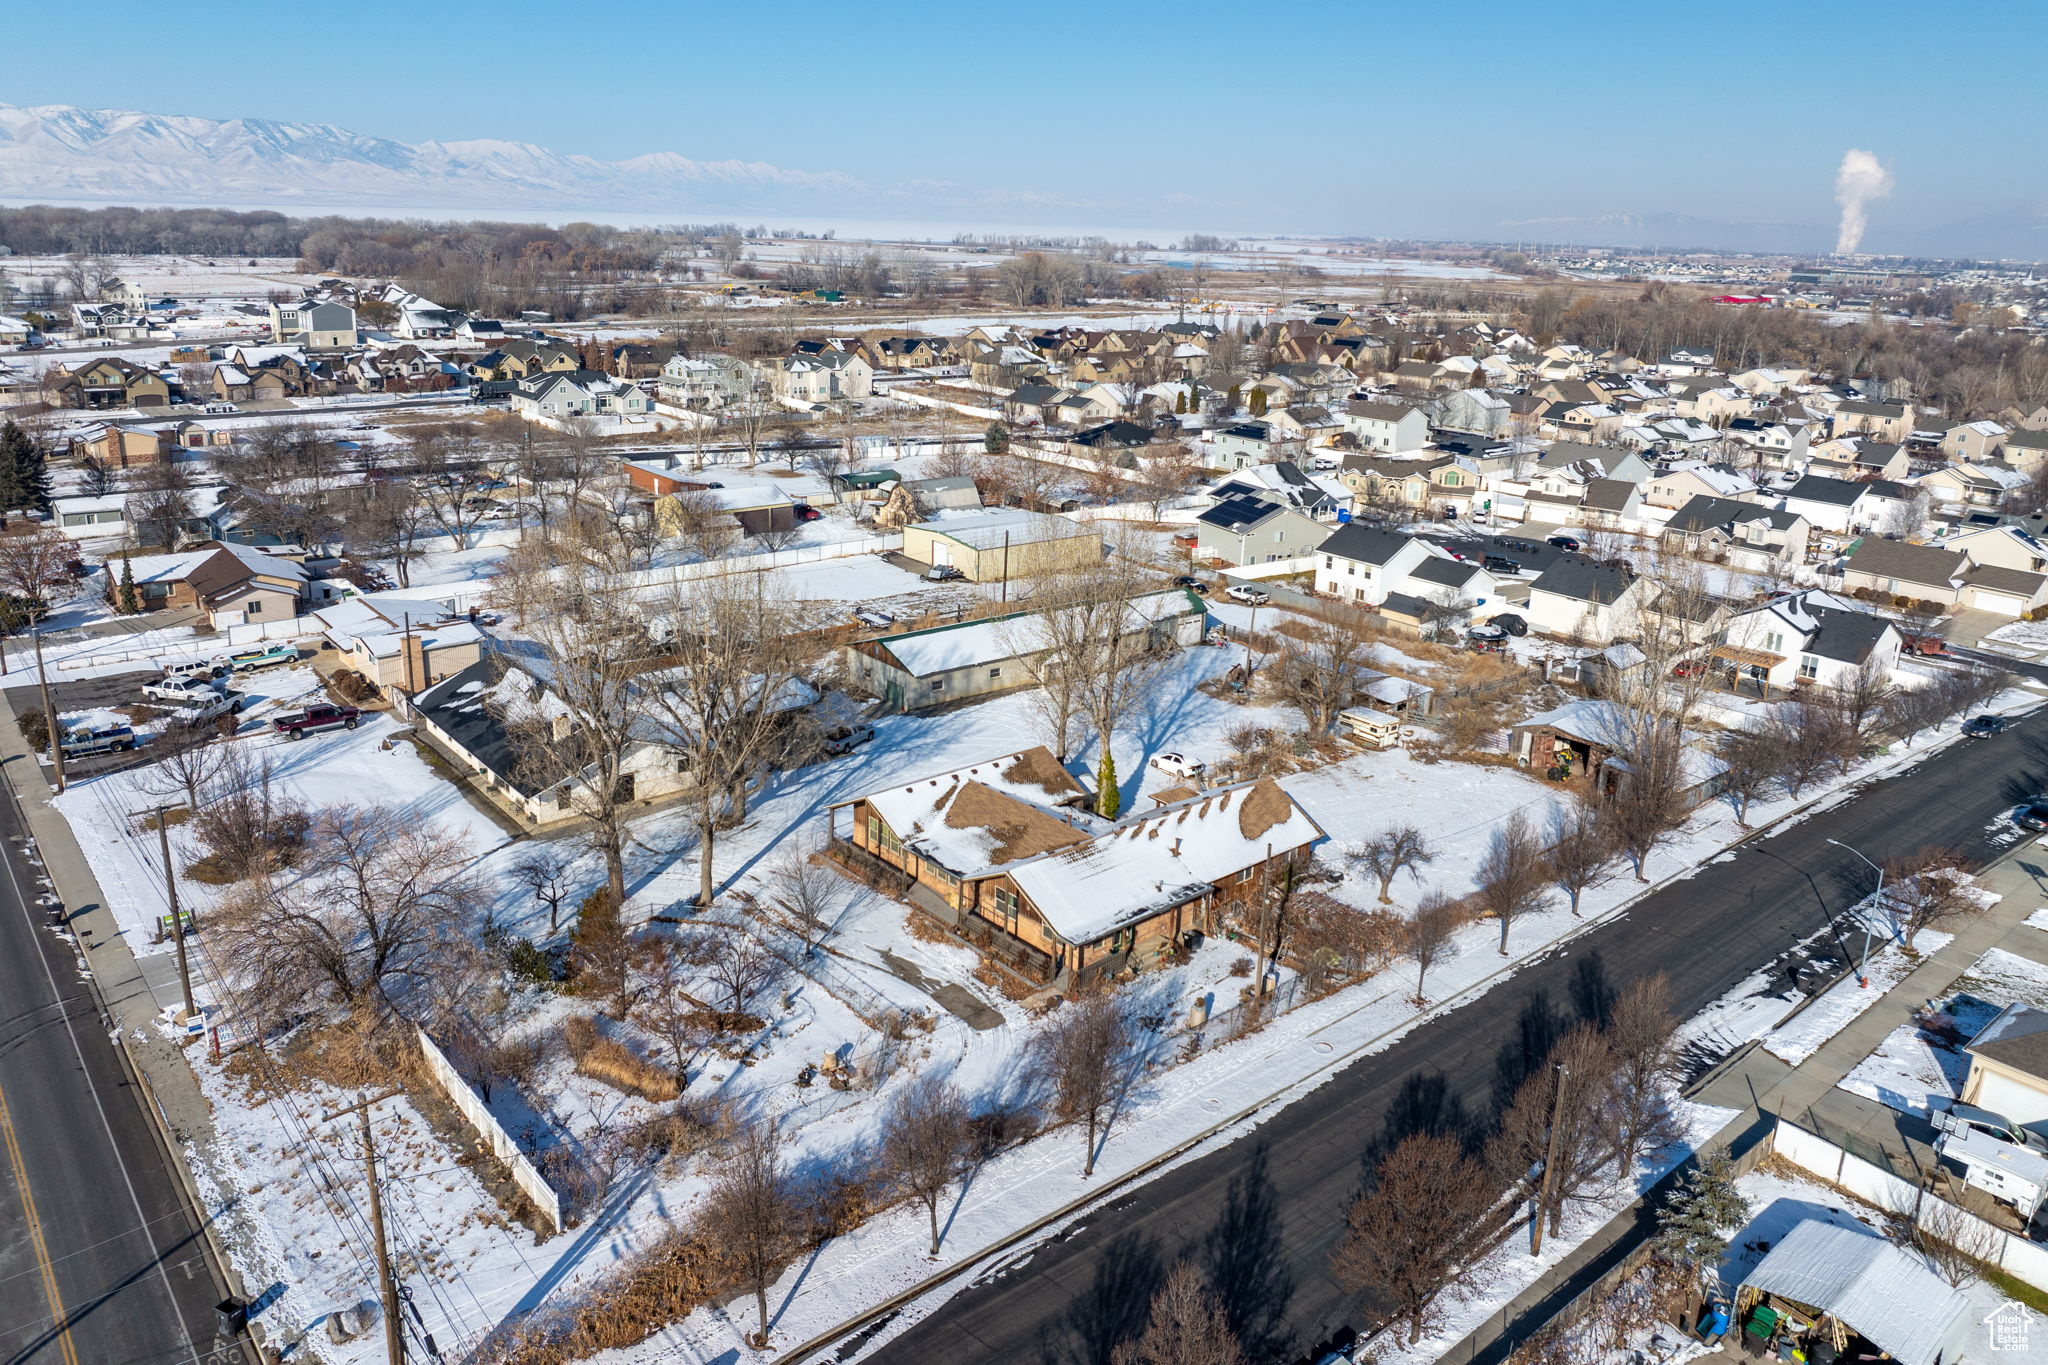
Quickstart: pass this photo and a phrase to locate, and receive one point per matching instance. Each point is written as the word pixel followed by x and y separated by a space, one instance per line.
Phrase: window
pixel 1774 642
pixel 256 607
pixel 1006 907
pixel 938 684
pixel 995 673
pixel 1809 666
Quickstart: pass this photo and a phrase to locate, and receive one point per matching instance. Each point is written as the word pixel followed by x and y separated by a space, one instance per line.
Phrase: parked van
pixel 96 739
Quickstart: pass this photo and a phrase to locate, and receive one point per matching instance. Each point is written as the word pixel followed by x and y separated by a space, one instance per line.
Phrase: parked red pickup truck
pixel 1927 646
pixel 299 724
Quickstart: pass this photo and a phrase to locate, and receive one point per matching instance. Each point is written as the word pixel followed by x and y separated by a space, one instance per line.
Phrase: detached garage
pixel 987 547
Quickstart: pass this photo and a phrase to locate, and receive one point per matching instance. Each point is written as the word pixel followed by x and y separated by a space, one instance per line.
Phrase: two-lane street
pixel 99 1259
pixel 1262 1213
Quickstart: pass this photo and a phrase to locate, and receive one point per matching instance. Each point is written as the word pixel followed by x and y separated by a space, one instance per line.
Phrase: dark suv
pixel 1502 564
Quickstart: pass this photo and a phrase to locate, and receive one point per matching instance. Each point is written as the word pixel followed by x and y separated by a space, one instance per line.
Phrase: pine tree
pixel 23 481
pixel 1108 800
pixel 1694 1224
pixel 1180 403
pixel 1235 397
pixel 996 441
pixel 130 603
pixel 1258 402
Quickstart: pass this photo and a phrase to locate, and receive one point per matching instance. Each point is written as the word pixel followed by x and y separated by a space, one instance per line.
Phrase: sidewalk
pixel 133 992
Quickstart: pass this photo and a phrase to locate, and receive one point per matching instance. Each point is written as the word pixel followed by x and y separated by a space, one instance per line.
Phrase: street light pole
pixel 1863 966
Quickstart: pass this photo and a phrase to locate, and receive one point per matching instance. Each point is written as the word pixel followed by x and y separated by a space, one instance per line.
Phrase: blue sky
pixel 1467 119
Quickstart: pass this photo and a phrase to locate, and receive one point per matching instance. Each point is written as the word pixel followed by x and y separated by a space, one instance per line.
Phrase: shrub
pixel 352 687
pixel 35 728
pixel 613 1063
pixel 529 964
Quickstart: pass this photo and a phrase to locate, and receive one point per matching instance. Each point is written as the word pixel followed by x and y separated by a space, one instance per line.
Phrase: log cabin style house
pixel 1001 852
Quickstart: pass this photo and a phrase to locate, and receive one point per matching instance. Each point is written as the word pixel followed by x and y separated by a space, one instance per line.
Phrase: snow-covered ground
pixel 481 1272
pixel 1918 1063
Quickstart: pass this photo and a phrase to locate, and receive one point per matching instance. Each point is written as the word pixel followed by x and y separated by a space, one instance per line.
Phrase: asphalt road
pixel 99 1261
pixel 1262 1213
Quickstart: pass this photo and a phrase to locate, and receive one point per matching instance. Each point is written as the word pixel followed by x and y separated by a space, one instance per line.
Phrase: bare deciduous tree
pixel 383 908
pixel 1930 888
pixel 807 892
pixel 1086 1051
pixel 543 873
pixel 1512 878
pixel 750 1215
pixel 1324 661
pixel 1641 1035
pixel 1430 936
pixel 1582 851
pixel 1582 1065
pixel 721 701
pixel 1187 1326
pixel 927 1143
pixel 1756 761
pixel 1390 853
pixel 1413 1238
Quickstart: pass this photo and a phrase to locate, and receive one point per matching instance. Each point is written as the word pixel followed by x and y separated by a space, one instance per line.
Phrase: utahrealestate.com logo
pixel 2008 1324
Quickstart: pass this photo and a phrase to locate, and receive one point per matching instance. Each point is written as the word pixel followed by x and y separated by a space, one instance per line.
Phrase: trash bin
pixel 233 1317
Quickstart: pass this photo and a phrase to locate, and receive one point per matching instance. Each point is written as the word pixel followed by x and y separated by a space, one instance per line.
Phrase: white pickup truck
pixel 206 710
pixel 181 689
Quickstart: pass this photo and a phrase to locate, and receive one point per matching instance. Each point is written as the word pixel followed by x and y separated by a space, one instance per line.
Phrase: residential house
pixel 1836 505
pixel 712 382
pixel 1809 639
pixel 1284 483
pixel 558 394
pixel 1971 442
pixel 1118 442
pixel 1479 411
pixel 108 382
pixel 119 447
pixel 990 546
pixel 1439 484
pixel 231 584
pixel 1386 428
pixel 525 357
pixel 1249 530
pixel 409 646
pixel 2027 449
pixel 2009 1065
pixel 916 669
pixel 1896 569
pixel 2005 547
pixel 1594 461
pixel 1610 503
pixel 1985 484
pixel 314 325
pixel 1398 574
pixel 996 852
pixel 15 331
pixel 1750 535
pixel 1576 599
pixel 1885 421
pixel 474 718
pixel 822 377
pixel 1678 484
pixel 1244 444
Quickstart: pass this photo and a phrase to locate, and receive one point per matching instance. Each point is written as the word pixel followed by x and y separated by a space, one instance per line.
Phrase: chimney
pixel 413 665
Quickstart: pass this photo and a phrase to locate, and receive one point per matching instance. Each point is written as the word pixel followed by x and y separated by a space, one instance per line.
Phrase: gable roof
pixel 1921 564
pixel 1608 495
pixel 1879 1291
pixel 1582 580
pixel 2016 1037
pixel 1365 544
pixel 1240 513
pixel 1832 492
pixel 1702 513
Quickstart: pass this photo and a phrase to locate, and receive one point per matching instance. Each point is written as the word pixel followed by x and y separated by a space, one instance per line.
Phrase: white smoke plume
pixel 1861 178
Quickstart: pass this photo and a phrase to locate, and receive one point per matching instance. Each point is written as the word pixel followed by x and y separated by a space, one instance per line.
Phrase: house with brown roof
pixel 108 382
pixel 231 584
pixel 1001 852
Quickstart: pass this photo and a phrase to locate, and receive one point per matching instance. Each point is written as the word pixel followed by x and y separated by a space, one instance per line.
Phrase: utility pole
pixel 163 834
pixel 1549 1162
pixel 387 1283
pixel 49 716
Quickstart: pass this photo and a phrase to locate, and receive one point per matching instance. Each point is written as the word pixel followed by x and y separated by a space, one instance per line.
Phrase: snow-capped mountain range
pixel 58 151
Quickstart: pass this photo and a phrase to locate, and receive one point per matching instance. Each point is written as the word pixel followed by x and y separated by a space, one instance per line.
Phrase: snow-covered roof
pixel 980 817
pixel 988 530
pixel 923 653
pixel 1864 1281
pixel 1163 859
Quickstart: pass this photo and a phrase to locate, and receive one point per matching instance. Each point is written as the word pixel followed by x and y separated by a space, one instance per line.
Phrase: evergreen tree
pixel 1231 400
pixel 24 477
pixel 1180 402
pixel 1108 800
pixel 1694 1224
pixel 130 602
pixel 996 441
pixel 1258 402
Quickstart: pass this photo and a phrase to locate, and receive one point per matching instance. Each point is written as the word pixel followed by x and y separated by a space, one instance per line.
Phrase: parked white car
pixel 1179 765
pixel 1244 592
